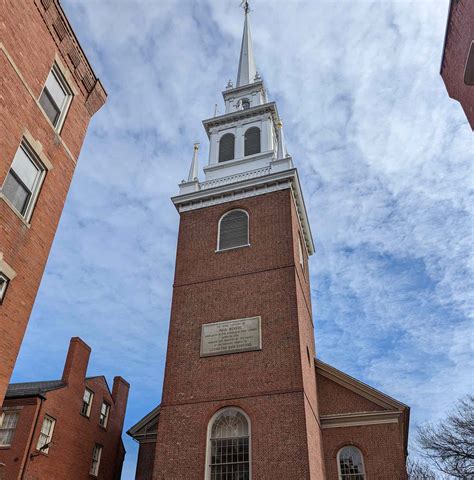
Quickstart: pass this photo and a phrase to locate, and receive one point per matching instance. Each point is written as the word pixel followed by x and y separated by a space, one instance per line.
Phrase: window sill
pixel 231 248
pixel 85 416
pixel 5 447
pixel 15 211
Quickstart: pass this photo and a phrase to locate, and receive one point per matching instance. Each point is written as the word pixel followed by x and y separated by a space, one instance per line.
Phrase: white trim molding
pixel 6 269
pixel 360 419
pixel 249 184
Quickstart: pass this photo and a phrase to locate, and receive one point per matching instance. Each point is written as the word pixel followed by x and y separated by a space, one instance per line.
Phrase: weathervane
pixel 245 4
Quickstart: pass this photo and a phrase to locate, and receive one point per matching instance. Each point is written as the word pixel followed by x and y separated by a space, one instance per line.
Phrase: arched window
pixel 229 446
pixel 245 104
pixel 252 141
pixel 226 147
pixel 233 230
pixel 350 464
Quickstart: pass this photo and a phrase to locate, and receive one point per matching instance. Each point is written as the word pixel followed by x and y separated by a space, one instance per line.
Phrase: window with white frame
pixel 233 230
pixel 227 147
pixel 8 427
pixel 24 179
pixel 350 464
pixel 252 141
pixel 87 402
pixel 228 455
pixel 46 434
pixel 245 104
pixel 104 414
pixel 4 280
pixel 56 97
pixel 96 454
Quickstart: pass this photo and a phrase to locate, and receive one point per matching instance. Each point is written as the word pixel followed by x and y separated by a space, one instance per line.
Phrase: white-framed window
pixel 252 141
pixel 96 454
pixel 227 147
pixel 56 97
pixel 350 463
pixel 46 434
pixel 24 179
pixel 245 104
pixel 233 230
pixel 8 427
pixel 87 402
pixel 4 280
pixel 104 414
pixel 228 446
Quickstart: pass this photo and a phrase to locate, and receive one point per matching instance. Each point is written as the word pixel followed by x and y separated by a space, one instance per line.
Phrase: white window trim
pixel 339 460
pixel 207 472
pixel 218 249
pixel 107 415
pixel 41 449
pixel 92 472
pixel 60 76
pixel 89 407
pixel 3 412
pixel 37 159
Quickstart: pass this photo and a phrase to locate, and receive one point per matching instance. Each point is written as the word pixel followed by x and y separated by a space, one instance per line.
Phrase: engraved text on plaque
pixel 243 335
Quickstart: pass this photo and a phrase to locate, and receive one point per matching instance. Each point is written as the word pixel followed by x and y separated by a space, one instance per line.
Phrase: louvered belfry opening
pixel 226 147
pixel 234 230
pixel 252 141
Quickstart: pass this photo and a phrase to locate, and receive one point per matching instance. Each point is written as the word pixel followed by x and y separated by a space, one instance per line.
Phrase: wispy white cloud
pixel 385 158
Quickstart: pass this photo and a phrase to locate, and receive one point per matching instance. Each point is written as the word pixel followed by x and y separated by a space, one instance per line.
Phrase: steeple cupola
pixel 246 144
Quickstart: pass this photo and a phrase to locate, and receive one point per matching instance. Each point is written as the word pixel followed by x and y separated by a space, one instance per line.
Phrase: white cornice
pixel 360 419
pixel 244 185
pixel 241 114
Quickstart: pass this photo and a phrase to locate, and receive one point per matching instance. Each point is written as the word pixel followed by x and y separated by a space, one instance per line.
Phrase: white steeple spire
pixel 193 171
pixel 247 69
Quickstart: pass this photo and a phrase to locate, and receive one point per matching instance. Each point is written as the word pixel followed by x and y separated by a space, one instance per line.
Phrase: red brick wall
pixel 145 462
pixel 210 287
pixel 459 35
pixel 334 398
pixel 74 435
pixel 380 445
pixel 27 52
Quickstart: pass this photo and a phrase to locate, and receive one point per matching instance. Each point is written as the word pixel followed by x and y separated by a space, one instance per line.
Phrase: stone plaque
pixel 232 336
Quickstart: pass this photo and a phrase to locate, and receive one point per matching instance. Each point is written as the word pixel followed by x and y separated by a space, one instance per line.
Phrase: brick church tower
pixel 241 398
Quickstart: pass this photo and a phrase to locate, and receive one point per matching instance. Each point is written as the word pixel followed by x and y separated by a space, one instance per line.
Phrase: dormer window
pixel 252 141
pixel 245 104
pixel 227 147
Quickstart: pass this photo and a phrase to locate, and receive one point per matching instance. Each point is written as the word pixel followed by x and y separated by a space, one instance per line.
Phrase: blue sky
pixel 385 160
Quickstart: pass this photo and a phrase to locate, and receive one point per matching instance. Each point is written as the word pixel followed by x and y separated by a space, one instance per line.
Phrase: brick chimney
pixel 120 396
pixel 77 360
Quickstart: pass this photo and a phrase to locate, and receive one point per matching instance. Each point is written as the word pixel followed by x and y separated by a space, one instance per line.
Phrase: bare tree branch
pixel 450 444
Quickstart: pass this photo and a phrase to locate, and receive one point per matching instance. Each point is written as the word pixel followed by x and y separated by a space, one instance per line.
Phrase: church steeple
pixel 247 152
pixel 247 69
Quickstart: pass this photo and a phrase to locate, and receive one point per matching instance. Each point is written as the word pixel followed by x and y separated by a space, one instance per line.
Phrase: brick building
pixel 243 395
pixel 64 429
pixel 49 93
pixel 457 65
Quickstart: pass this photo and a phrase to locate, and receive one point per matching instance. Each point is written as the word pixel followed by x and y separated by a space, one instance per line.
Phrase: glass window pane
pixel 25 169
pixel 56 90
pixel 49 107
pixel 16 193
